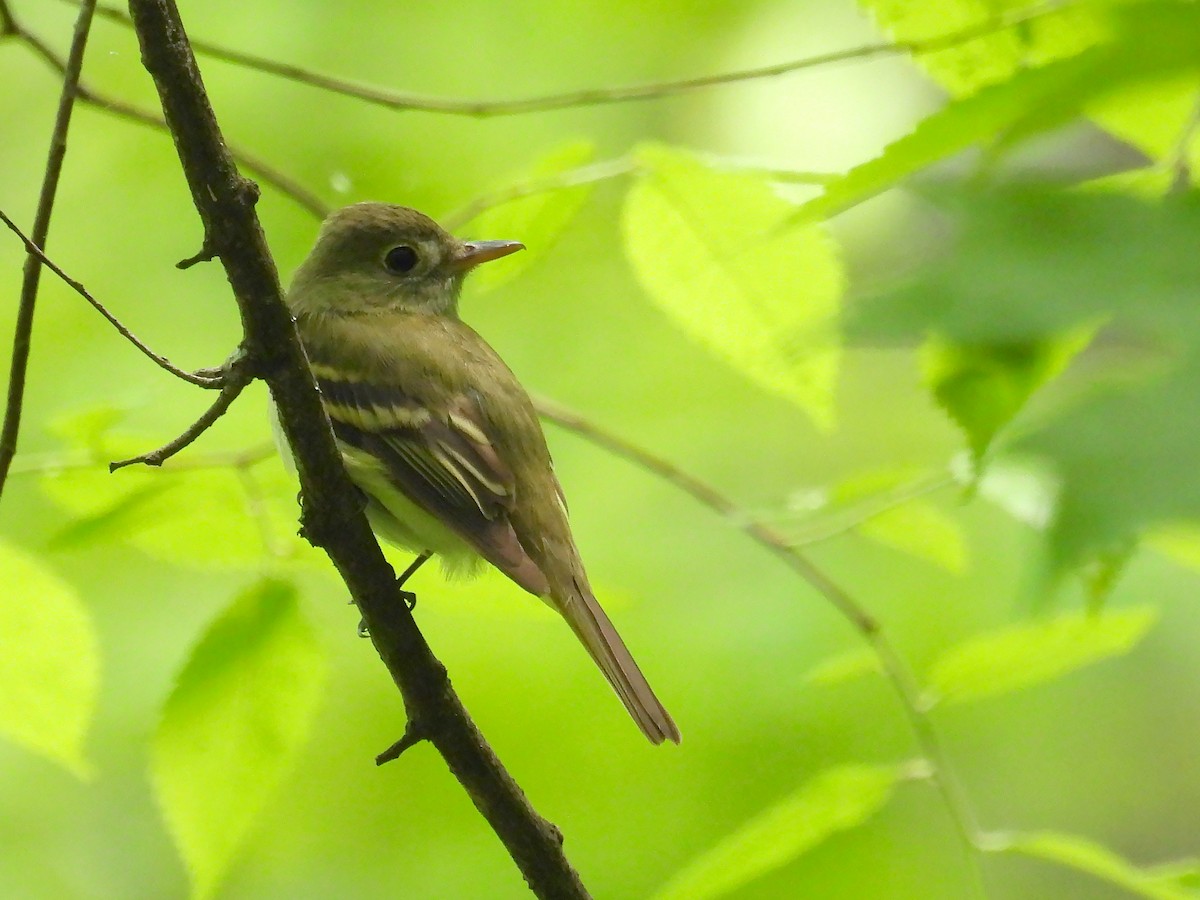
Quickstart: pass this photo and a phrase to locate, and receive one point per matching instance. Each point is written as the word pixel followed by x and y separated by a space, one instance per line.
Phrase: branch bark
pixel 31 278
pixel 332 516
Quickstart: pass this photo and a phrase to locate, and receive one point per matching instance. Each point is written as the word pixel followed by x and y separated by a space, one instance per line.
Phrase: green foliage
pixel 234 724
pixel 1150 42
pixel 49 661
pixel 1087 856
pixel 712 251
pixel 983 386
pixel 1022 656
pixel 843 667
pixel 834 800
pixel 911 525
pixel 538 219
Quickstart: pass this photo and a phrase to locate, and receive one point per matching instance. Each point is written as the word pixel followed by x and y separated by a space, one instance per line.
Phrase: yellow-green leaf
pixel 835 800
pixel 1021 656
pixel 233 725
pixel 49 661
pixel 843 667
pixel 1085 855
pixel 711 250
pixel 536 219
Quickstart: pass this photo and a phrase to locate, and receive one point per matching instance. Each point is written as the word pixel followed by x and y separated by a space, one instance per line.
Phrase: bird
pixel 436 430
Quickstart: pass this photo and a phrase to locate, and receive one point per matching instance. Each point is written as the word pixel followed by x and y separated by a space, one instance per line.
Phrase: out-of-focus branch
pixel 23 332
pixel 265 172
pixel 332 516
pixel 597 96
pixel 974 841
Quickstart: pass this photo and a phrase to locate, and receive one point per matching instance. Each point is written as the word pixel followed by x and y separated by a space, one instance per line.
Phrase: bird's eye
pixel 400 259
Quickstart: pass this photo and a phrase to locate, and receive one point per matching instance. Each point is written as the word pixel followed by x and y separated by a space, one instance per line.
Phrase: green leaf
pixel 197 517
pixel 1180 541
pixel 1091 858
pixel 1022 656
pixel 994 56
pixel 1125 462
pixel 910 524
pixel 49 661
pixel 843 667
pixel 712 252
pixel 983 386
pixel 233 725
pixel 1150 42
pixel 537 220
pixel 835 800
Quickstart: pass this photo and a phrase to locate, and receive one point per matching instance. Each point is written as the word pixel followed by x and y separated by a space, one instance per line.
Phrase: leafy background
pixel 962 376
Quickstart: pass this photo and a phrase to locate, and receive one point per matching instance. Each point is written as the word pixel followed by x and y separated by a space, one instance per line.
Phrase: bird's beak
pixel 475 252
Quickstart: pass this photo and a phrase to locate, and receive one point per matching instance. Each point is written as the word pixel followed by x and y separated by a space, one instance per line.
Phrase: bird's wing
pixel 440 458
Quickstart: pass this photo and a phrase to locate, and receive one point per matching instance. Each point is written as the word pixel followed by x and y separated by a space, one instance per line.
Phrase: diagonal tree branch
pixel 893 666
pixel 332 515
pixel 23 332
pixel 198 379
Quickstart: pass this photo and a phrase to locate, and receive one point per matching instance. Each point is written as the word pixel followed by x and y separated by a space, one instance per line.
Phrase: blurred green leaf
pixel 1026 265
pixel 49 661
pixel 1126 462
pixel 711 250
pixel 994 56
pixel 1021 656
pixel 983 386
pixel 1085 855
pixel 835 800
pixel 1150 41
pixel 189 516
pixel 536 220
pixel 1179 541
pixel 233 725
pixel 843 667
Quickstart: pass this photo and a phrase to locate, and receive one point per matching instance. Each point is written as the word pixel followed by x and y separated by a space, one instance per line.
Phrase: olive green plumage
pixel 436 429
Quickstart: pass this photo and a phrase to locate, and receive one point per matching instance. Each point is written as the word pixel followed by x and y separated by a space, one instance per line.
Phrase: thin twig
pixel 332 516
pixel 23 331
pixel 235 381
pixel 262 170
pixel 594 96
pixel 892 665
pixel 204 381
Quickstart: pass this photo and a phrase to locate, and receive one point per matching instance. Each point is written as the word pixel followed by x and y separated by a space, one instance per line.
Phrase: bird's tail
pixel 593 627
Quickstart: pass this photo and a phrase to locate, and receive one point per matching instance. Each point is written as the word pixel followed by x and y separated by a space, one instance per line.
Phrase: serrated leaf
pixel 1085 855
pixel 835 800
pixel 536 220
pixel 49 661
pixel 1151 42
pixel 233 725
pixel 983 386
pixel 843 667
pixel 710 249
pixel 1021 656
pixel 996 55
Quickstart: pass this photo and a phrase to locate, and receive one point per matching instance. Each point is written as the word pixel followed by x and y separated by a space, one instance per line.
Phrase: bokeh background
pixel 726 634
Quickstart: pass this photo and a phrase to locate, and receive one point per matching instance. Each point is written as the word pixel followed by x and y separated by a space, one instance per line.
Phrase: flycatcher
pixel 434 427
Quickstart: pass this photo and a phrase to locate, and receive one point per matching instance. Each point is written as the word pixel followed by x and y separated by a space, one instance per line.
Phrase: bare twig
pixel 894 668
pixel 332 515
pixel 237 376
pixel 201 380
pixel 596 96
pixel 262 170
pixel 23 332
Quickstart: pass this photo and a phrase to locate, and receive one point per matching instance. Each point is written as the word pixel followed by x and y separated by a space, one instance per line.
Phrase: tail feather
pixel 593 627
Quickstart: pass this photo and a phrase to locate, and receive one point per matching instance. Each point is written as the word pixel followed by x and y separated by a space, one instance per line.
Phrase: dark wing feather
pixel 442 460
